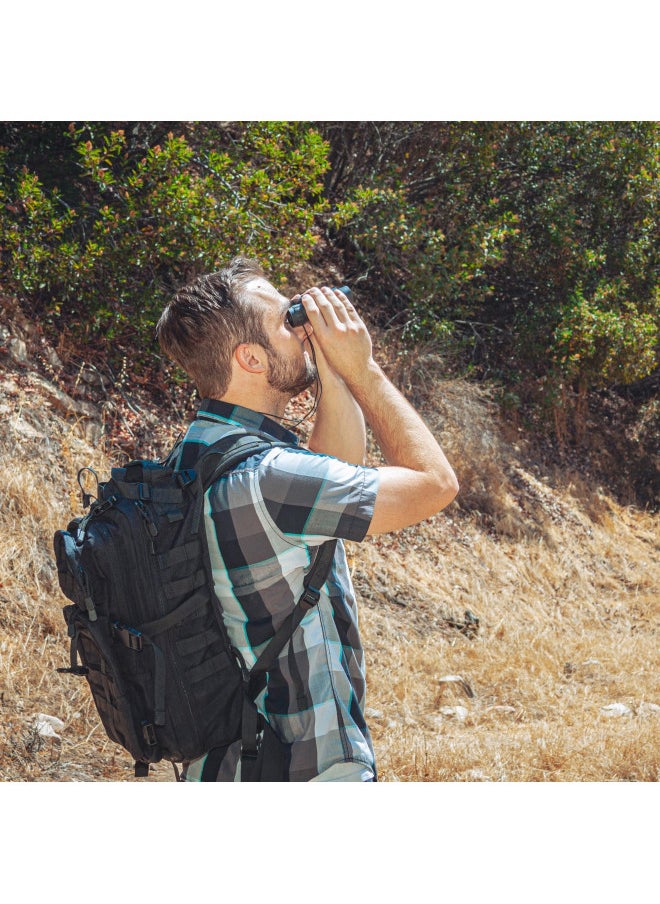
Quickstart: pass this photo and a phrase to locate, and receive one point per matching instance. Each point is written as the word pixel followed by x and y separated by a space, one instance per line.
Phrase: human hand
pixel 338 331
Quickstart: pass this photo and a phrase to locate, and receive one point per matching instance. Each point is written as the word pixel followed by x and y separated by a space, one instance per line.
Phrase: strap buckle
pixel 130 637
pixel 184 478
pixel 310 598
pixel 101 507
pixel 149 734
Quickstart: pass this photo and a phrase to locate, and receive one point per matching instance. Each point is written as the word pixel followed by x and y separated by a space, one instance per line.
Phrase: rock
pixel 89 410
pixel 457 682
pixel 18 351
pixel 616 709
pixel 52 357
pixel 90 375
pixel 460 713
pixel 93 432
pixel 45 726
pixel 20 425
pixel 64 402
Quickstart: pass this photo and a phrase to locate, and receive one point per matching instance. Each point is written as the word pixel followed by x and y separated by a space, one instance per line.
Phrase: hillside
pixel 514 637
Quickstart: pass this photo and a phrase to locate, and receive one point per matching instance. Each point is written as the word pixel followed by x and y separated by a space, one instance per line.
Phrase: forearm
pixel 339 429
pixel 402 435
pixel 418 481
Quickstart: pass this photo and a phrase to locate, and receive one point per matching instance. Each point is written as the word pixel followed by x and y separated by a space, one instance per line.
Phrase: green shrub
pixel 534 245
pixel 145 221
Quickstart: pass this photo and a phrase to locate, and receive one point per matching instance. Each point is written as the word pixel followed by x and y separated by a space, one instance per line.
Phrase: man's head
pixel 234 318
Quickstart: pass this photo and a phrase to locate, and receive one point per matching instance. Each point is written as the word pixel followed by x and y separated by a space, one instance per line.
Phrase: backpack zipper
pixel 151 527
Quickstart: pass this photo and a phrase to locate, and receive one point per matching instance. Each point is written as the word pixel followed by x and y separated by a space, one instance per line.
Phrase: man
pixel 264 519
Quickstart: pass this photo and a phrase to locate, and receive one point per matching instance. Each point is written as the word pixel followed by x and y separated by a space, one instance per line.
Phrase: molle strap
pixel 149 493
pixel 185 585
pixel 212 666
pixel 191 605
pixel 189 552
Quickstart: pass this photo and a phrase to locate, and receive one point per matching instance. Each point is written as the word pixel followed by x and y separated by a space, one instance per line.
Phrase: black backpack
pixel 146 627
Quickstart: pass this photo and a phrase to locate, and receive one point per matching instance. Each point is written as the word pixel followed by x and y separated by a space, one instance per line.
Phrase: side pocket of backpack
pixel 70 573
pixel 65 558
pixel 92 647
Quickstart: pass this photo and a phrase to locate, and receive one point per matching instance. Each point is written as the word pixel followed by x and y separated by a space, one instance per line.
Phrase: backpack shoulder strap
pixel 221 457
pixel 256 678
pixel 314 580
pixel 230 451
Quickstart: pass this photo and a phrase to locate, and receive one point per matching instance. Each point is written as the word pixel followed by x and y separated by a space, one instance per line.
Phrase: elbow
pixel 448 488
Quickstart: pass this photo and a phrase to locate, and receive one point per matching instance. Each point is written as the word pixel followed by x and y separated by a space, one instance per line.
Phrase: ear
pixel 251 358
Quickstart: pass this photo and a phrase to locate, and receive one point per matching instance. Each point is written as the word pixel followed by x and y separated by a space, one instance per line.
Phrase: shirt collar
pixel 244 417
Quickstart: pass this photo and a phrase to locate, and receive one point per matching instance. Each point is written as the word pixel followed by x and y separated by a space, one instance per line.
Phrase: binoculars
pixel 296 315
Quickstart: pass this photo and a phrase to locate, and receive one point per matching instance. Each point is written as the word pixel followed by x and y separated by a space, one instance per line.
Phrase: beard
pixel 290 377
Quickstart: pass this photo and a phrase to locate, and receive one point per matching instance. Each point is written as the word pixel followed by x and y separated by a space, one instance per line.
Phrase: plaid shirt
pixel 263 521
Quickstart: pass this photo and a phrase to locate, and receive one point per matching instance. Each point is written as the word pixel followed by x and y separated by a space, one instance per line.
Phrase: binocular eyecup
pixel 297 315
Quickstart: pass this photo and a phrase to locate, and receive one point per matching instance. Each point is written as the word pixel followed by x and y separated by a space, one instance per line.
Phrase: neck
pixel 272 404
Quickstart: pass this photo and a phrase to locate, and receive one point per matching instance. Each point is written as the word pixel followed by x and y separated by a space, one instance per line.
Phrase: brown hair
pixel 204 323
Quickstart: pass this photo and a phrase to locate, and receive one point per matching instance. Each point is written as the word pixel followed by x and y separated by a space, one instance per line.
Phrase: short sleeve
pixel 310 495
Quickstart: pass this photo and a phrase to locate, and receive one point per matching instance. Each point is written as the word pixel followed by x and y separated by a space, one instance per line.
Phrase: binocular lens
pixel 296 315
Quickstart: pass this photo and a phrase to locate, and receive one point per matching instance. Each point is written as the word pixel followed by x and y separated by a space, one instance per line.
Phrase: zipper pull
pixel 148 522
pixel 89 602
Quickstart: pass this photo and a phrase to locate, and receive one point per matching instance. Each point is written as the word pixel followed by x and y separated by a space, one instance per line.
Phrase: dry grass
pixel 563 581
